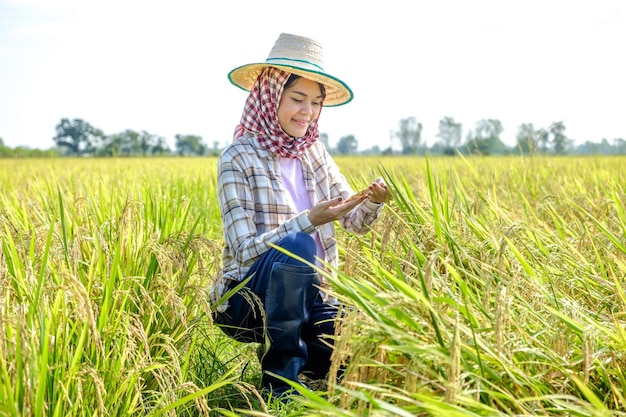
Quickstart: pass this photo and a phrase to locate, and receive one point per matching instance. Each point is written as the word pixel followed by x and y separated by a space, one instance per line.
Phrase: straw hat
pixel 298 55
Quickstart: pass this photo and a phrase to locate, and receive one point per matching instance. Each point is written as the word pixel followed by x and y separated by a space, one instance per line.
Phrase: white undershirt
pixel 293 180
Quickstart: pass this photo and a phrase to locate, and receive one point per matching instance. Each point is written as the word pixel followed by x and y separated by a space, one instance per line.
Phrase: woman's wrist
pixel 308 214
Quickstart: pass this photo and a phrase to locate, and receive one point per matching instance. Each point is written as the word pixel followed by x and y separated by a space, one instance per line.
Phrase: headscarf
pixel 260 117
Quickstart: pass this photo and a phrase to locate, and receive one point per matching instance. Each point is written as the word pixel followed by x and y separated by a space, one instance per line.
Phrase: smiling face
pixel 300 104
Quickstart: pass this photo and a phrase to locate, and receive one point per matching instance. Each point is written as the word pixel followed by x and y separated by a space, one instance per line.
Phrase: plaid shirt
pixel 255 208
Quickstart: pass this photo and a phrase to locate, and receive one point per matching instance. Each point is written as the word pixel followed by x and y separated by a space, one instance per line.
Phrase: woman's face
pixel 299 106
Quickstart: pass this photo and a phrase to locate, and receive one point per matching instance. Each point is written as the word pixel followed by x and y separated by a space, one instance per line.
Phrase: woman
pixel 280 194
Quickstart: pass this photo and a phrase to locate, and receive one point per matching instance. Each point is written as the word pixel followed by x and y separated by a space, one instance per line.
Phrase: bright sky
pixel 161 66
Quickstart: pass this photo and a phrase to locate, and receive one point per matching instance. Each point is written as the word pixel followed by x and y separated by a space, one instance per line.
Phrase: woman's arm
pixel 243 200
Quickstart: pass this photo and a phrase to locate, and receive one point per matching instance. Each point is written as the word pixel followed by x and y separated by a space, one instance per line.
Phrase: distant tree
pixel 145 142
pixel 596 148
pixel 489 129
pixel 479 146
pixel 187 145
pixel 589 148
pixel 324 139
pixel 544 140
pixel 130 142
pixel 620 146
pixel 4 151
pixel 437 148
pixel 560 142
pixel 410 135
pixel 527 138
pixel 215 150
pixel 604 147
pixel 77 137
pixel 374 150
pixel 347 145
pixel 125 143
pixel 485 139
pixel 26 152
pixel 449 135
pixel 112 145
pixel 159 147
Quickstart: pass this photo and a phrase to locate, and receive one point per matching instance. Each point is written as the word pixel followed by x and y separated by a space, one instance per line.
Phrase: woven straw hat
pixel 298 55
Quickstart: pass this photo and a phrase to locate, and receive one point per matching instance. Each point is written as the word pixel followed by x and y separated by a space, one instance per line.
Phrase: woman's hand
pixel 379 192
pixel 331 210
pixel 336 208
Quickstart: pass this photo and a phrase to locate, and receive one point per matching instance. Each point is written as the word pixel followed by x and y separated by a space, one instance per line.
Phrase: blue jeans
pixel 244 321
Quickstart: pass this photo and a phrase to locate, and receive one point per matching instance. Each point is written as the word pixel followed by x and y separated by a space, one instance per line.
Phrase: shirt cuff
pixel 371 205
pixel 304 223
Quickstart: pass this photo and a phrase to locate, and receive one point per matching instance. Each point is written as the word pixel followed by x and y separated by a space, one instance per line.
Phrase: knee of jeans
pixel 300 244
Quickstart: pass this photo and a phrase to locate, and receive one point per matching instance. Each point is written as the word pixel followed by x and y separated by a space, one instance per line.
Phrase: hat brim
pixel 337 92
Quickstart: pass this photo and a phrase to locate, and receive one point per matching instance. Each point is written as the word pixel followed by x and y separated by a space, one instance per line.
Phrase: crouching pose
pixel 278 187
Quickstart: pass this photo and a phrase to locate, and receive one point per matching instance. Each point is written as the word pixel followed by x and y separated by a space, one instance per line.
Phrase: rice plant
pixel 490 286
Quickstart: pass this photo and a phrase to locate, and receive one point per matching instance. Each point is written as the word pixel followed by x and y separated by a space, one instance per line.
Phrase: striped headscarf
pixel 260 117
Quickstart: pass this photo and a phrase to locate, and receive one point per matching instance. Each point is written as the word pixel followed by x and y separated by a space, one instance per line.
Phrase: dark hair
pixel 293 78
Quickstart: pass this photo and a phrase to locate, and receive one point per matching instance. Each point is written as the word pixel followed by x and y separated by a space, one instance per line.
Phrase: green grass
pixel 490 286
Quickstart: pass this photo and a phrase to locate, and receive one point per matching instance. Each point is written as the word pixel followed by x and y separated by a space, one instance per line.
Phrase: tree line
pixel 483 139
pixel 77 137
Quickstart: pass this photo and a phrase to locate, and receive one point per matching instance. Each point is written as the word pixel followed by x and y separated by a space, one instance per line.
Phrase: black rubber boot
pixel 288 303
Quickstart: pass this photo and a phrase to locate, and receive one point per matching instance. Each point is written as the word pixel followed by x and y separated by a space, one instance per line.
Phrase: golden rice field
pixel 489 287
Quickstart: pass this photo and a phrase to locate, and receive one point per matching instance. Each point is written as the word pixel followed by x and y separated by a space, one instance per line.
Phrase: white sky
pixel 161 66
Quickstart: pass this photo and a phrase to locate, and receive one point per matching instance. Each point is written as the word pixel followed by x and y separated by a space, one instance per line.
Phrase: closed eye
pixel 299 100
pixel 301 96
